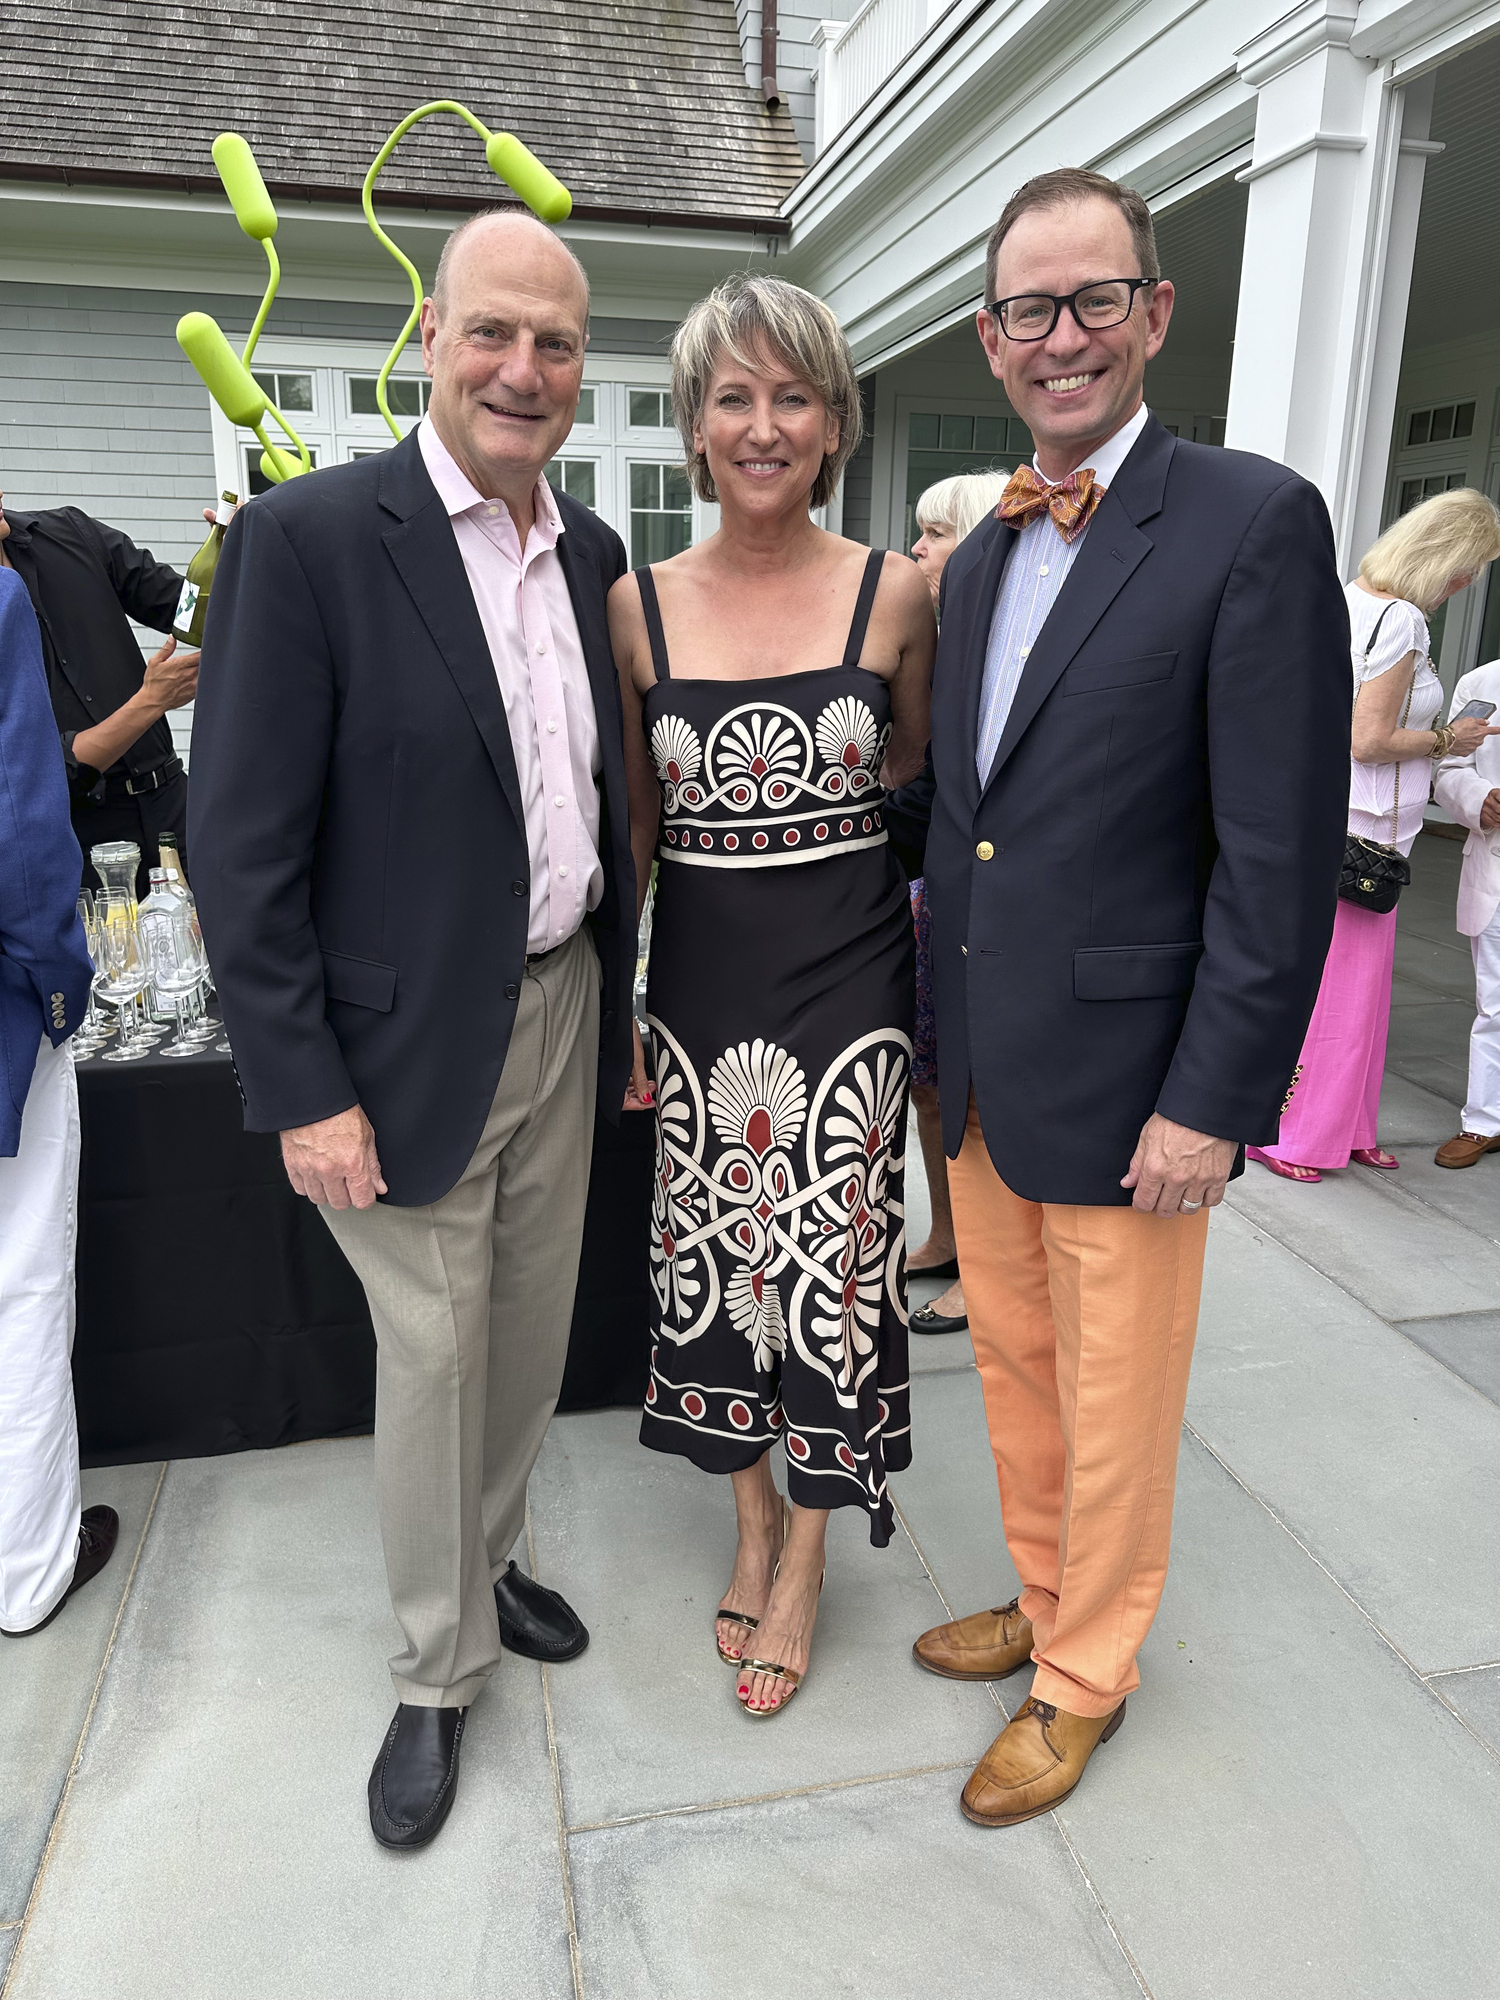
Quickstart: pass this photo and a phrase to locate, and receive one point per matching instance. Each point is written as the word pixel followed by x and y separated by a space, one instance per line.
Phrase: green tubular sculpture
pixel 513 163
pixel 226 375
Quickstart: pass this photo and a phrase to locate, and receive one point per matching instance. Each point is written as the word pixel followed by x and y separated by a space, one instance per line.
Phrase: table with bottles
pixel 215 1311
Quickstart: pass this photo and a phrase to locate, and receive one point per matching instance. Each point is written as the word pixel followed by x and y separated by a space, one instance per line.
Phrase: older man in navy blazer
pixel 1140 738
pixel 48 1549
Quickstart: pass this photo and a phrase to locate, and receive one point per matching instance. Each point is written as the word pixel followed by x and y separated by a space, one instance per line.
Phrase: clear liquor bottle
pixel 164 918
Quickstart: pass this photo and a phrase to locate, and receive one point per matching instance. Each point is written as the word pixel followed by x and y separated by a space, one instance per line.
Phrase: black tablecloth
pixel 215 1311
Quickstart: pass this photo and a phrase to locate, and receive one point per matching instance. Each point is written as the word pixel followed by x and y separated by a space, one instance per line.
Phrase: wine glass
pixel 122 978
pixel 174 971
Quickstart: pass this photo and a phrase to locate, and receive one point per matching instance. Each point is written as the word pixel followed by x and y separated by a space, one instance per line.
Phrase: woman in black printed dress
pixel 775 679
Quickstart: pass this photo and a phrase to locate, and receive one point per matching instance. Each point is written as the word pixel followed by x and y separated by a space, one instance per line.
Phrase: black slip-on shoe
pixel 536 1621
pixel 415 1778
pixel 98 1531
pixel 947 1269
pixel 925 1320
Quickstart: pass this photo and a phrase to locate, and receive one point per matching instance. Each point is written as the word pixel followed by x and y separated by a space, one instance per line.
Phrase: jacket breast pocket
pixel 1134 971
pixel 360 981
pixel 1103 676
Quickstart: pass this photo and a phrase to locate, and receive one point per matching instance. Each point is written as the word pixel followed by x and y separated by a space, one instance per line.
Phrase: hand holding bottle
pixel 171 678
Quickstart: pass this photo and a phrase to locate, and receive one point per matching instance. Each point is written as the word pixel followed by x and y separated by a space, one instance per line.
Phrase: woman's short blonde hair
pixel 753 318
pixel 962 502
pixel 1452 534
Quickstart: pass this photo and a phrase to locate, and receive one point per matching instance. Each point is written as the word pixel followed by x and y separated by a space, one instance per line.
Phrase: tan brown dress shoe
pixel 985 1646
pixel 1034 1763
pixel 1464 1149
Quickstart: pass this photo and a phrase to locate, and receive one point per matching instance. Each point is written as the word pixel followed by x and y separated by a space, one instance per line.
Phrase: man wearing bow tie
pixel 1139 726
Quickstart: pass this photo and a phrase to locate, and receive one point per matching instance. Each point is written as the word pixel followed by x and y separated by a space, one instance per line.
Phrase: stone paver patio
pixel 1305 1800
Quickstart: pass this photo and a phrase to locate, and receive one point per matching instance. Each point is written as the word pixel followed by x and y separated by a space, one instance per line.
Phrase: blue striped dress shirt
pixel 1034 576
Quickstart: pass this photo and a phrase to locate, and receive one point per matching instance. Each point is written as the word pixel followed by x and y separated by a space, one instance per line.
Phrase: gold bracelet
pixel 1444 744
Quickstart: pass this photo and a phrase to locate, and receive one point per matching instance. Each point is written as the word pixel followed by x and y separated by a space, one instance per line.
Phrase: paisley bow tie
pixel 1070 502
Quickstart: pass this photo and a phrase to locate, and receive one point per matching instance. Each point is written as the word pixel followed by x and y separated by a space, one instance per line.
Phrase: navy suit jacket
pixel 359 846
pixel 1166 811
pixel 44 963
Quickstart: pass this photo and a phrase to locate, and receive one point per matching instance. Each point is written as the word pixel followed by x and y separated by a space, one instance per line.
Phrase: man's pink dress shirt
pixel 527 615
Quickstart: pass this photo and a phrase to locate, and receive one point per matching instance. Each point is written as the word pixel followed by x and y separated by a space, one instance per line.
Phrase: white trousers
pixel 38 1428
pixel 1482 1112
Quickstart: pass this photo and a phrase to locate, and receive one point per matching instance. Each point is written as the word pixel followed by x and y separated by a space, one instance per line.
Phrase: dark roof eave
pixel 31 170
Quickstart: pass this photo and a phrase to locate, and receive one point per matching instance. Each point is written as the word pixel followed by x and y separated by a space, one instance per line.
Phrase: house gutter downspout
pixel 770 89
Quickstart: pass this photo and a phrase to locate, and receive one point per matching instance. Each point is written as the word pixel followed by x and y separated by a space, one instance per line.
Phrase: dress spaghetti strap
pixel 652 610
pixel 864 604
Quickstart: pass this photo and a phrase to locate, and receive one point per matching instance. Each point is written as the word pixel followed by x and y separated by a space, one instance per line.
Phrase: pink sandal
pixel 1284 1167
pixel 1374 1156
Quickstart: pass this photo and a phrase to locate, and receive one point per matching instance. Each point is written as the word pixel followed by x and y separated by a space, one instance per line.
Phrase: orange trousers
pixel 1083 1322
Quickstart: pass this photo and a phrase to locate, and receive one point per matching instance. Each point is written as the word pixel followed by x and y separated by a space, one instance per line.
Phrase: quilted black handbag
pixel 1373 875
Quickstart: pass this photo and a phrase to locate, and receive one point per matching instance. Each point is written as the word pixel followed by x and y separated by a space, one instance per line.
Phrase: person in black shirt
pixel 86 581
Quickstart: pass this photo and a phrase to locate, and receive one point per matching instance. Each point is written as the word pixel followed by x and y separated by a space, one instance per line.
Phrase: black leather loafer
pixel 535 1621
pixel 98 1531
pixel 415 1778
pixel 925 1320
pixel 947 1269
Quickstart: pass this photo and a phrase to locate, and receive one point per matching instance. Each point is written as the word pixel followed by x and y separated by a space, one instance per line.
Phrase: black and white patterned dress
pixel 781 1002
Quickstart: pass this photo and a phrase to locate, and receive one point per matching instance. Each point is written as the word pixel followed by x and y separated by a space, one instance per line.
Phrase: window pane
pixel 989 433
pixel 362 401
pixel 1019 437
pixel 675 490
pixel 1442 424
pixel 1463 420
pixel 1454 479
pixel 656 537
pixel 924 432
pixel 585 410
pixel 1411 493
pixel 1216 429
pixel 645 409
pixel 573 476
pixel 255 480
pixel 296 392
pixel 956 433
pixel 404 397
pixel 645 486
pixel 1419 427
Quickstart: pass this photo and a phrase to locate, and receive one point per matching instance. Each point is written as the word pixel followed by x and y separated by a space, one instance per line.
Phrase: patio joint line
pixel 766 1798
pixel 83 1737
pixel 570 1911
pixel 989 1686
pixel 1479 1667
pixel 1101 1906
pixel 1384 1637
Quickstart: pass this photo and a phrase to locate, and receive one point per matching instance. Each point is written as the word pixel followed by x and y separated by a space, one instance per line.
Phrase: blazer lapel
pixel 425 551
pixel 585 589
pixel 1112 551
pixel 977 615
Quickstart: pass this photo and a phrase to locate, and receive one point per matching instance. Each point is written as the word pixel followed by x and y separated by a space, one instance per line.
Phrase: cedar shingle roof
pixel 641 109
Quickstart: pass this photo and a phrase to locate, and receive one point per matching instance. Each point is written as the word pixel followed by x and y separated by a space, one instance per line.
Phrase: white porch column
pixel 1329 239
pixel 828 113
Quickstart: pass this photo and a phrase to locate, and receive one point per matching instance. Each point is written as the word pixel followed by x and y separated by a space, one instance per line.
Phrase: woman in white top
pixel 1418 563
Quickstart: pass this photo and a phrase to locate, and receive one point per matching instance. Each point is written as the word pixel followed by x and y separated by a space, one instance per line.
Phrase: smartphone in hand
pixel 1482 709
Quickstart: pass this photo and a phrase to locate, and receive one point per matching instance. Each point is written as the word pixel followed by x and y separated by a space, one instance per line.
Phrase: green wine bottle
pixel 192 605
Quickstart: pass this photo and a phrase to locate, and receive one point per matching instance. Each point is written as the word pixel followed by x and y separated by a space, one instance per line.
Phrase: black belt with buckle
pixel 139 784
pixel 536 958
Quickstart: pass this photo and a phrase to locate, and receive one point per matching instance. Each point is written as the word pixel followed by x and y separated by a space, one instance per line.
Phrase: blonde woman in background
pixel 1419 562
pixel 945 513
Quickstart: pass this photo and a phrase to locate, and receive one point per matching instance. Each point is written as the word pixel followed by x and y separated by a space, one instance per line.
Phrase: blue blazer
pixel 44 963
pixel 1131 912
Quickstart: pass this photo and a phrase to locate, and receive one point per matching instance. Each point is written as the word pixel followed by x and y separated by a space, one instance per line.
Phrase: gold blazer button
pixel 985 851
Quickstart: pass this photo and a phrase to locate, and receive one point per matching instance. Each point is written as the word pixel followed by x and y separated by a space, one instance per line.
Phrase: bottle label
pixel 186 605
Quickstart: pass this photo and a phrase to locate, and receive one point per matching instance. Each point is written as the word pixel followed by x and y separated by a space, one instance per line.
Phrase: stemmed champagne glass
pixel 122 978
pixel 93 1031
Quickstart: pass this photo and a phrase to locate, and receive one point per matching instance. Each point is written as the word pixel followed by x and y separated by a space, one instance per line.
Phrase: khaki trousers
pixel 472 1299
pixel 1083 1321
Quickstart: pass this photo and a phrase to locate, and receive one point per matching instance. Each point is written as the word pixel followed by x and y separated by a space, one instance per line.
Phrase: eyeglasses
pixel 1032 315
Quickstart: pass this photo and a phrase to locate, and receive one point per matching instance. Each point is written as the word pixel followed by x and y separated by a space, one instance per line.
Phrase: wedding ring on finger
pixel 1191 1207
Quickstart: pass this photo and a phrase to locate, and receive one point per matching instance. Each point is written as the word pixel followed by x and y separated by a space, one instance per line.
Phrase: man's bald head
pixel 497 231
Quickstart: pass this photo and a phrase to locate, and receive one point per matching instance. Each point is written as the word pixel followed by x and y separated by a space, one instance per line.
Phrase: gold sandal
pixel 777 1673
pixel 743 1617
